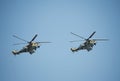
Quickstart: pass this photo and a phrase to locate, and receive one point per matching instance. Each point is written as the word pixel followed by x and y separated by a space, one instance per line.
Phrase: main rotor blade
pixel 91 35
pixel 19 38
pixel 101 39
pixel 33 38
pixel 44 42
pixel 76 40
pixel 19 43
pixel 78 36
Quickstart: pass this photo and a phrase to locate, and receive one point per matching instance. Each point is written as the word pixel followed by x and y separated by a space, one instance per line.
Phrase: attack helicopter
pixel 30 47
pixel 88 44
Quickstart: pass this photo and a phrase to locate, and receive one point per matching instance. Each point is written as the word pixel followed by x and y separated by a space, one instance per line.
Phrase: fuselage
pixel 88 45
pixel 32 47
pixel 28 48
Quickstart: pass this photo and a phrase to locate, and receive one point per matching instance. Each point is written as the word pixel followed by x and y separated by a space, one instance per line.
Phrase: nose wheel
pixel 94 43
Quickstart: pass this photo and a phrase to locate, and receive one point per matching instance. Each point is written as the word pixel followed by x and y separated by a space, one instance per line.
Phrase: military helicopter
pixel 88 44
pixel 31 47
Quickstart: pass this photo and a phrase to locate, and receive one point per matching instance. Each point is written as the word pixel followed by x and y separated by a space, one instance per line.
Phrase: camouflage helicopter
pixel 88 44
pixel 31 47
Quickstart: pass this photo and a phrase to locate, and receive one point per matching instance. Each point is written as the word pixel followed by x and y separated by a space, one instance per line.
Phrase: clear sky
pixel 53 20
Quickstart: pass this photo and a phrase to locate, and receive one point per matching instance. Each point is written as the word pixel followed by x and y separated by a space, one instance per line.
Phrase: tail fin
pixel 74 49
pixel 15 52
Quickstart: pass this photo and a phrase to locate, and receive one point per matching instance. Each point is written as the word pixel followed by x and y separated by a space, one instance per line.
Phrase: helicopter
pixel 88 44
pixel 30 47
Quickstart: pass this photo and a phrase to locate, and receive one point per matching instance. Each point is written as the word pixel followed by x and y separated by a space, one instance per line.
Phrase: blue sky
pixel 53 20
